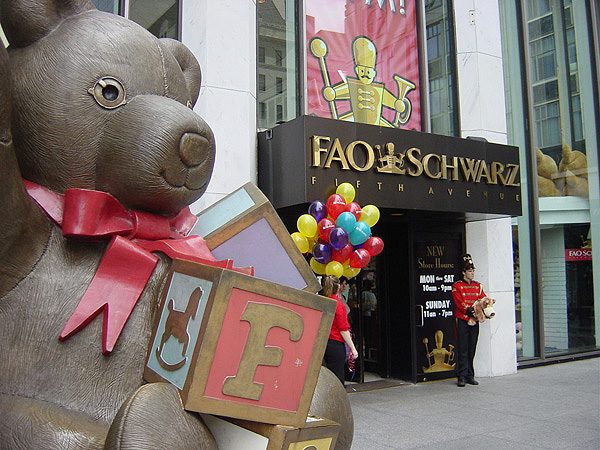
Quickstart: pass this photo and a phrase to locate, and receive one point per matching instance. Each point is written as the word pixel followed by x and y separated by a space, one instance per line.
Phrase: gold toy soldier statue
pixel 390 163
pixel 367 97
pixel 442 358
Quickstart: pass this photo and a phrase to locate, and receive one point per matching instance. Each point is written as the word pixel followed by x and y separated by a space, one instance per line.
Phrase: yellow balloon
pixel 370 215
pixel 347 191
pixel 300 241
pixel 334 268
pixel 307 225
pixel 350 272
pixel 311 242
pixel 317 267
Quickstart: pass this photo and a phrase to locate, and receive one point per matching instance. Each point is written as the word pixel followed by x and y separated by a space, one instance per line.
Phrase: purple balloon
pixel 338 238
pixel 318 210
pixel 322 253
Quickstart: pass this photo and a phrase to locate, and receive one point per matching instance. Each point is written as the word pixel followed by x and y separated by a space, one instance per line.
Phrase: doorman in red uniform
pixel 464 293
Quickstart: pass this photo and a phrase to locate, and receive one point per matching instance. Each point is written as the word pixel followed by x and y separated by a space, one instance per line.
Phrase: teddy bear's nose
pixel 192 149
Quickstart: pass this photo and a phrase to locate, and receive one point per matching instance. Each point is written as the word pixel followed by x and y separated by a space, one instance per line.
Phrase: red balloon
pixel 355 209
pixel 343 254
pixel 323 228
pixel 335 205
pixel 359 258
pixel 373 245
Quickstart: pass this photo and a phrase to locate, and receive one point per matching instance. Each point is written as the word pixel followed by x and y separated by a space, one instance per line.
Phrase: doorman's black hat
pixel 467 262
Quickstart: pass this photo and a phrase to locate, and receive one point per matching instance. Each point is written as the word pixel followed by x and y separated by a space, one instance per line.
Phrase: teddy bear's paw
pixel 153 418
pixel 31 423
pixel 330 401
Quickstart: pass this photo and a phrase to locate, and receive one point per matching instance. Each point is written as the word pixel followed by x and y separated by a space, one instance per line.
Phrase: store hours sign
pixel 436 257
pixel 436 275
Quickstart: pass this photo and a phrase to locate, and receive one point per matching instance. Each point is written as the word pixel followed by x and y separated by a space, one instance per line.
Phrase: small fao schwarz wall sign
pixel 401 169
pixel 238 346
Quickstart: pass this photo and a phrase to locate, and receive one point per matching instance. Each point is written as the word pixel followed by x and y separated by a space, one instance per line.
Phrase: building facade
pixel 508 71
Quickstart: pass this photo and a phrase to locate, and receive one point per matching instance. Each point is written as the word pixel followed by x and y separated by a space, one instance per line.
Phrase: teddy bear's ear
pixel 27 21
pixel 188 63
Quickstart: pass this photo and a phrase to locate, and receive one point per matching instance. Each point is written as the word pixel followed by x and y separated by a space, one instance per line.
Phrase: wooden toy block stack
pixel 248 349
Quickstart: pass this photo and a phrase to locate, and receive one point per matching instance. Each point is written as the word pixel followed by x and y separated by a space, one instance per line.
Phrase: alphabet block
pixel 235 434
pixel 238 346
pixel 245 227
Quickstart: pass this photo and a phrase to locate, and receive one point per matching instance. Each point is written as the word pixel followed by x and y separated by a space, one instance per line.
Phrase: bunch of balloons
pixel 338 234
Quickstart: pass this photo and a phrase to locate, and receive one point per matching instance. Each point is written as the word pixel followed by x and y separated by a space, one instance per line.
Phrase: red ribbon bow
pixel 128 262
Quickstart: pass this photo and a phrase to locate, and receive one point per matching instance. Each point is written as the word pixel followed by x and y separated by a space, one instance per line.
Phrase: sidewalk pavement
pixel 549 407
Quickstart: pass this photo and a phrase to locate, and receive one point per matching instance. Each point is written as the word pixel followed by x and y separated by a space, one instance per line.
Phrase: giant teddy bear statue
pixel 92 101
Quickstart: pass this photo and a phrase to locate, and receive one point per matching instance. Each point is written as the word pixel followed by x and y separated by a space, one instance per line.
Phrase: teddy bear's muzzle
pixel 161 167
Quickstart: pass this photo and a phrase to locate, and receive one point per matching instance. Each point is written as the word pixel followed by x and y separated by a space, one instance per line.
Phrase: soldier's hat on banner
pixel 467 262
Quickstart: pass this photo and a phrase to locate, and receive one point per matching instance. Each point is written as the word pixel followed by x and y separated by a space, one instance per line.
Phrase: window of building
pixel 277 35
pixel 111 6
pixel 441 67
pixel 3 39
pixel 261 55
pixel 262 110
pixel 557 290
pixel 262 82
pixel 160 18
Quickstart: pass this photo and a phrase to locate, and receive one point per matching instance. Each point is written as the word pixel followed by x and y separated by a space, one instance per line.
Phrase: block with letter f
pixel 238 346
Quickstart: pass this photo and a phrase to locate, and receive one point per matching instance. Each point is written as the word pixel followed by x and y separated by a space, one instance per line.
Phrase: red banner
pixel 578 254
pixel 363 62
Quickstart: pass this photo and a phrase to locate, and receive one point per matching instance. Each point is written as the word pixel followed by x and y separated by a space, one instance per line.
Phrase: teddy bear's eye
pixel 108 93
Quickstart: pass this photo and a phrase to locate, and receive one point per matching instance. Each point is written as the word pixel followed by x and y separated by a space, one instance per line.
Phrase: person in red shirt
pixel 335 352
pixel 464 293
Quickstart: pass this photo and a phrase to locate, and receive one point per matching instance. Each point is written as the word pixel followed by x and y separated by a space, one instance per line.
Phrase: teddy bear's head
pixel 86 116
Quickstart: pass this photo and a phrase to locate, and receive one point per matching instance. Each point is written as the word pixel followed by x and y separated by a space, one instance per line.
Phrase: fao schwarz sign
pixel 389 167
pixel 578 254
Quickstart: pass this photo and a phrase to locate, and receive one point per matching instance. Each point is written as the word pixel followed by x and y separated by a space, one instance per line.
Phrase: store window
pixel 441 67
pixel 557 298
pixel 277 65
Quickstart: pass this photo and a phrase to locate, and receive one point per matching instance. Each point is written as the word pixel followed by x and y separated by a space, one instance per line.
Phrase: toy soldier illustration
pixel 367 97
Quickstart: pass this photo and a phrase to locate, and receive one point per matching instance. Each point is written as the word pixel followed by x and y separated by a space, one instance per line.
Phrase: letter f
pixel 262 317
